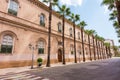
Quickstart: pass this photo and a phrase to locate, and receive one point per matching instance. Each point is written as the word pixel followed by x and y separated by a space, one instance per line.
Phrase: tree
pixel 90 33
pixel 108 49
pixel 113 5
pixel 115 48
pixel 82 24
pixel 51 3
pixel 74 18
pixel 63 11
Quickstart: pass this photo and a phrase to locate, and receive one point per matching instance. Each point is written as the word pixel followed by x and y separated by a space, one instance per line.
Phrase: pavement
pixel 108 69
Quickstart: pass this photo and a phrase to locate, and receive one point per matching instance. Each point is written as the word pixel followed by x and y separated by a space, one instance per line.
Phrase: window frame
pixel 71 32
pixel 59 27
pixel 11 10
pixel 41 47
pixel 42 20
pixel 13 41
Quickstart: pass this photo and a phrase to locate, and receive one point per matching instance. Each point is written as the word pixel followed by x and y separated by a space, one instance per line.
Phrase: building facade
pixel 25 22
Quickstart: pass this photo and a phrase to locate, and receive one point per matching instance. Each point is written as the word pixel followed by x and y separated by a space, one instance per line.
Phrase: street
pixel 97 70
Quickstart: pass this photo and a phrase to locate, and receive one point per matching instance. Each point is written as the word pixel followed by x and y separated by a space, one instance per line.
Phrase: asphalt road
pixel 96 70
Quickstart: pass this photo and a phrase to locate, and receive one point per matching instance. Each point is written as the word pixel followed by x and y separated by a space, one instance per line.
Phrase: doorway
pixel 59 55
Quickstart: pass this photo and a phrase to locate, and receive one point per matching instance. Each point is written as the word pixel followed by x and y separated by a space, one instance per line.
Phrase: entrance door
pixel 59 55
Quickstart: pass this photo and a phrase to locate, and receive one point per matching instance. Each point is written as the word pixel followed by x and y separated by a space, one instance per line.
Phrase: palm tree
pixel 63 11
pixel 108 49
pixel 113 5
pixel 90 33
pixel 115 48
pixel 97 37
pixel 51 3
pixel 74 18
pixel 113 15
pixel 82 24
pixel 93 34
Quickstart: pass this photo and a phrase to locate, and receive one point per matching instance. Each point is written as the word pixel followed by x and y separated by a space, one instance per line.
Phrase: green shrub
pixel 39 60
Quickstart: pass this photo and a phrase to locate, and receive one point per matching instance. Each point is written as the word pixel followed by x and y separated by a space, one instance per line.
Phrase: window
pixel 13 7
pixel 79 35
pixel 59 43
pixel 42 20
pixel 71 49
pixel 41 47
pixel 59 27
pixel 70 32
pixel 7 44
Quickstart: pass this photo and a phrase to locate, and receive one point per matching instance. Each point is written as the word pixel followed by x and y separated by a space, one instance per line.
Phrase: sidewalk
pixel 28 68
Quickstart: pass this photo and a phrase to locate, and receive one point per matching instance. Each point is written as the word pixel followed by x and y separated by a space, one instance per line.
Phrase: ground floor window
pixel 41 47
pixel 7 44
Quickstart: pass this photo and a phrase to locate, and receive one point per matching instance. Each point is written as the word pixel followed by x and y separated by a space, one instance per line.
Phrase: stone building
pixel 24 22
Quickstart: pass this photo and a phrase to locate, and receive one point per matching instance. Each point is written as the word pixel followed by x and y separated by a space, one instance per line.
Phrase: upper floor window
pixel 70 30
pixel 78 35
pixel 59 27
pixel 7 44
pixel 42 20
pixel 71 49
pixel 41 47
pixel 13 7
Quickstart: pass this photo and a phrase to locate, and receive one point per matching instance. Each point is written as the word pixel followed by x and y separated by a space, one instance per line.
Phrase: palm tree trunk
pixel 102 51
pixel 83 45
pixel 74 42
pixel 63 40
pixel 94 48
pixel 107 52
pixel 97 49
pixel 49 35
pixel 118 9
pixel 89 47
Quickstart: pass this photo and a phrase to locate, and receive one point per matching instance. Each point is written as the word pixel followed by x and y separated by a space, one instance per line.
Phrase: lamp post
pixel 32 48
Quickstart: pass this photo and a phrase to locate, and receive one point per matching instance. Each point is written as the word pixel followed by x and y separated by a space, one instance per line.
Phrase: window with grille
pixel 13 7
pixel 59 27
pixel 42 20
pixel 7 44
pixel 70 30
pixel 41 47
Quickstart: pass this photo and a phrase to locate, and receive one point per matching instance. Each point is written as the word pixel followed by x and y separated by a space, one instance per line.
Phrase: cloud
pixel 72 2
pixel 106 9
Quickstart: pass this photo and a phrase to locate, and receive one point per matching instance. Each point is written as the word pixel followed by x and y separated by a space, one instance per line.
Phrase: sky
pixel 95 15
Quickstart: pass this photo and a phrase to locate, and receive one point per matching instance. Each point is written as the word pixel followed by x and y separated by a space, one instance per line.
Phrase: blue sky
pixel 95 15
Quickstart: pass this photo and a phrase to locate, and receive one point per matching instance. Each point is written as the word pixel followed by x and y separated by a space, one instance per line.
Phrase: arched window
pixel 7 44
pixel 70 30
pixel 59 27
pixel 42 20
pixel 71 49
pixel 13 7
pixel 79 35
pixel 41 47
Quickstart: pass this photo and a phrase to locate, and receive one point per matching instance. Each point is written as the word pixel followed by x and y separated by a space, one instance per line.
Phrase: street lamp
pixel 32 48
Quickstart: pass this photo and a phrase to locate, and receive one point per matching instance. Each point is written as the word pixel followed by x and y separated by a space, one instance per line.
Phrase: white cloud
pixel 106 9
pixel 71 2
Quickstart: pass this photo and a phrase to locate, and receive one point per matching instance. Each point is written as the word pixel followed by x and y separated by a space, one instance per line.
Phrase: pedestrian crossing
pixel 21 76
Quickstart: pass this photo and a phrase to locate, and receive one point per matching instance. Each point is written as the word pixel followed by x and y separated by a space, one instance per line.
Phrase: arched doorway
pixel 59 55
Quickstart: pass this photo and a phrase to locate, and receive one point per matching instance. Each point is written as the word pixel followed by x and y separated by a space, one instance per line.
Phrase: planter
pixel 39 64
